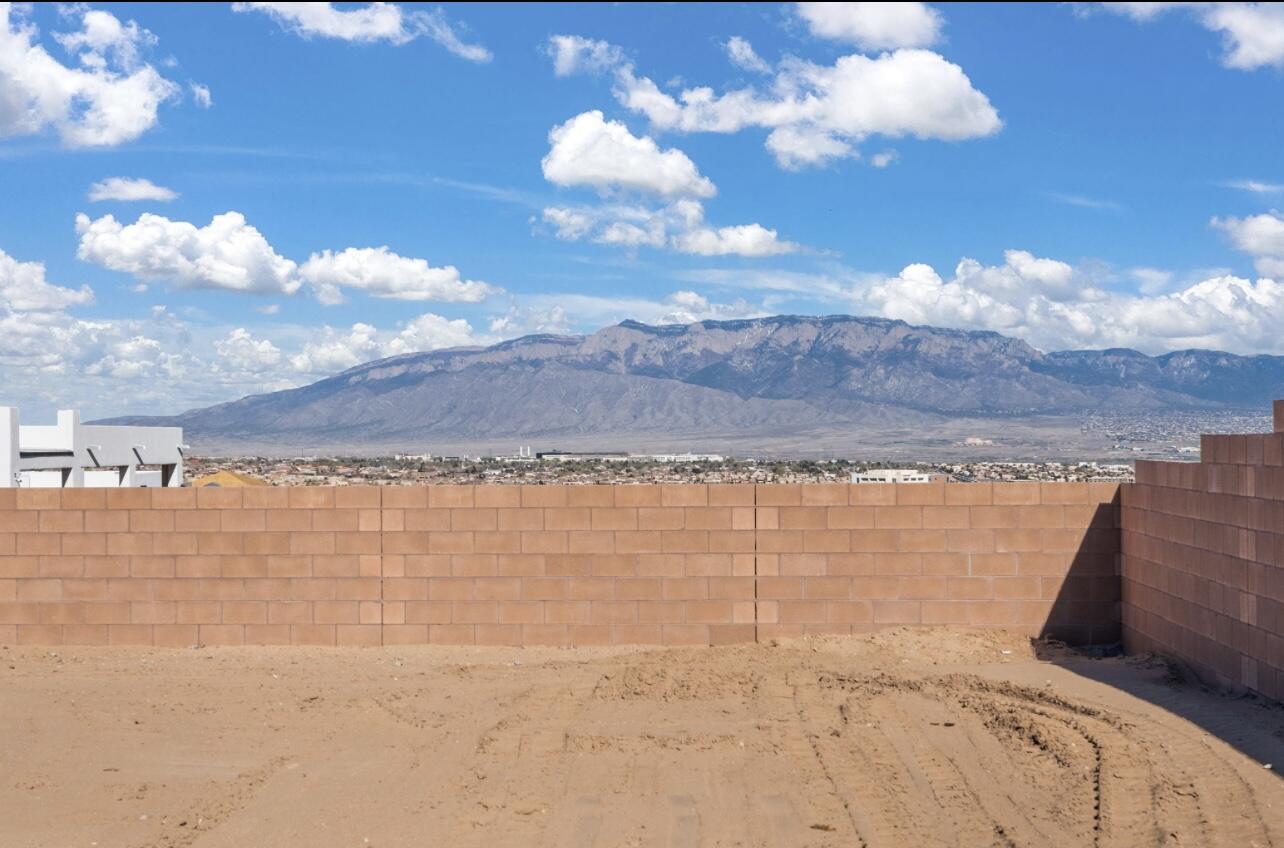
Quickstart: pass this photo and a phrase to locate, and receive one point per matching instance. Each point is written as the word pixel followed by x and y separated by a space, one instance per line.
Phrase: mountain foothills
pixel 725 381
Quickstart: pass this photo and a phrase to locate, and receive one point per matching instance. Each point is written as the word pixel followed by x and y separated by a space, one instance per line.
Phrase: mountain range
pixel 765 378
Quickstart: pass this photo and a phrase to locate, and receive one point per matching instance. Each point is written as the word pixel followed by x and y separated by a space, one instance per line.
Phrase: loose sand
pixel 905 738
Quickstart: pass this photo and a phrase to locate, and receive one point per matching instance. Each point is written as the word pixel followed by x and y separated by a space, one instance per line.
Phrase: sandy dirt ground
pixel 903 738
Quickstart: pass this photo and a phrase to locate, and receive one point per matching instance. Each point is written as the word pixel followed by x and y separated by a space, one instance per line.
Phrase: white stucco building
pixel 892 475
pixel 73 455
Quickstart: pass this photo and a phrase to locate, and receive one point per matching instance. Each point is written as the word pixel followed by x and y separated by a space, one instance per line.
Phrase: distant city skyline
pixel 207 201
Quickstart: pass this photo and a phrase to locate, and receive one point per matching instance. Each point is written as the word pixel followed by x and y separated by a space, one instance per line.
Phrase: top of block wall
pixel 563 496
pixel 1279 416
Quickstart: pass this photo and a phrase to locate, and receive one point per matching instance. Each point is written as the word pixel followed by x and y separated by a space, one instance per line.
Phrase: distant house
pixel 74 455
pixel 227 480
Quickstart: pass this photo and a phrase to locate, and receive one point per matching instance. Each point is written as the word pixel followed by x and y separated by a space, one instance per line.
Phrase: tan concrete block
pixel 850 517
pixel 1063 493
pixel 921 541
pixel 637 496
pixel 129 634
pixel 207 544
pixel 946 564
pixel 244 612
pixel 267 497
pixel 62 521
pixel 898 563
pixel 358 497
pixel 731 494
pixel 289 566
pixel 993 613
pixel 220 634
pixel 592 496
pixel 994 564
pixel 969 588
pixel 168 544
pixel 236 520
pixel 780 588
pixel 311 497
pixel 1016 494
pixel 850 612
pixel 334 612
pixel 969 494
pixel 322 635
pixel 872 494
pixel 405 634
pixel 827 588
pixel 945 612
pixel 898 612
pixel 185 521
pixel 42 544
pixel 84 634
pixel 96 521
pixel 779 541
pixel 922 588
pixel 920 494
pixel 358 635
pixel 1017 588
pixel 969 541
pixel 198 612
pixel 590 542
pixel 546 542
pixel 614 518
pixel 544 496
pixel 638 542
pixel 282 520
pixel 336 520
pixel 685 634
pixel 824 494
pixel 39 499
pixel 804 518
pixel 568 518
pixel 661 612
pixel 898 517
pixel 777 494
pixel 305 543
pixel 61 566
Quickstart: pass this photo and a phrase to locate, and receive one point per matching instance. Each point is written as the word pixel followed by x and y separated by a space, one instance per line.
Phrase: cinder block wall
pixel 553 564
pixel 1203 560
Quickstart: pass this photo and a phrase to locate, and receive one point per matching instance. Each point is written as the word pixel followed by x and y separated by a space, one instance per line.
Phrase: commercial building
pixel 74 455
pixel 892 475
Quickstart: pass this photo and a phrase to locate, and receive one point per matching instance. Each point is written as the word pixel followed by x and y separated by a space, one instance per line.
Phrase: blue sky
pixel 286 192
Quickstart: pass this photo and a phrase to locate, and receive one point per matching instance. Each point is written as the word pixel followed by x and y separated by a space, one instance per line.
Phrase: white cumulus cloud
pixel 381 273
pixel 111 97
pixel 679 226
pixel 129 189
pixel 1055 306
pixel 817 113
pixel 874 26
pixel 230 254
pixel 23 288
pixel 1252 33
pixel 240 351
pixel 369 23
pixel 1260 236
pixel 201 94
pixel 589 150
pixel 226 254
pixel 742 240
pixel 742 55
pixel 574 54
pixel 338 350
